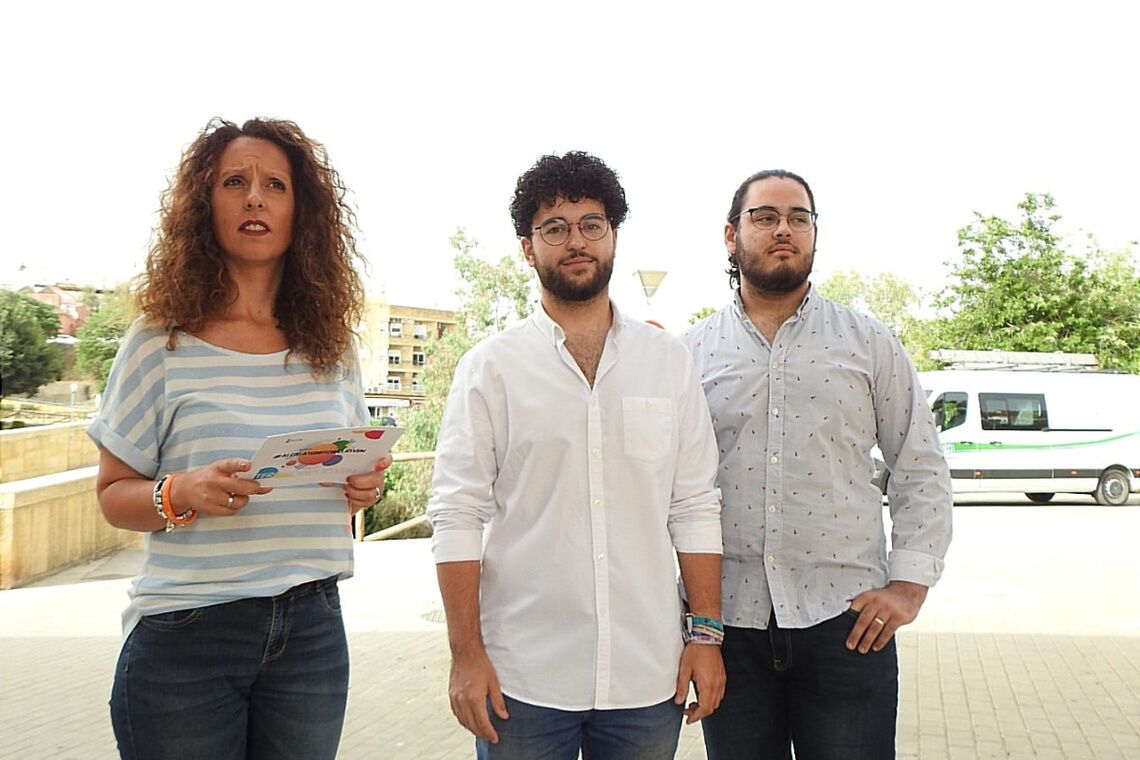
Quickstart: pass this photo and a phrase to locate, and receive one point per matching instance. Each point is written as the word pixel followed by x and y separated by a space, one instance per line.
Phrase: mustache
pixel 572 256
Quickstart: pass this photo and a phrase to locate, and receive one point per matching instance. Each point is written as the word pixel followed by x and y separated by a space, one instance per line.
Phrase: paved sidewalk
pixel 1029 648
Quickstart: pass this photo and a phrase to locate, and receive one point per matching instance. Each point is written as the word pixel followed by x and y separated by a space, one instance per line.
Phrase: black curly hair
pixel 575 176
pixel 735 210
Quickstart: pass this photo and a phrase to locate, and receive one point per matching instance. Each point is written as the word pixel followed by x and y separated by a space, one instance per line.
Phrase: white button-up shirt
pixel 575 499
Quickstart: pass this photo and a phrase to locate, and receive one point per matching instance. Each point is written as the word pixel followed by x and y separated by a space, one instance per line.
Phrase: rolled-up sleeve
pixel 694 509
pixel 465 468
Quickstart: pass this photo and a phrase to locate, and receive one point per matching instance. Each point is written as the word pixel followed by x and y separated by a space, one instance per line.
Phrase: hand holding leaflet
pixel 328 455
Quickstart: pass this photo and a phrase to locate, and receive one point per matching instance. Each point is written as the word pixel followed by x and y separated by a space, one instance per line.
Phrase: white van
pixel 1039 433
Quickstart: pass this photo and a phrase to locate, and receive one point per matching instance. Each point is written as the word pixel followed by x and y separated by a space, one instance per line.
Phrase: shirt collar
pixel 809 299
pixel 554 332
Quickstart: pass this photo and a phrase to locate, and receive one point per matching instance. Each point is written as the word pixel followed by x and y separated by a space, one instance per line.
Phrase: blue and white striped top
pixel 176 410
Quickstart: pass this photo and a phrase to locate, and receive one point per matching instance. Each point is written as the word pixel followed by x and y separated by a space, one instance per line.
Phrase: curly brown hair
pixel 320 298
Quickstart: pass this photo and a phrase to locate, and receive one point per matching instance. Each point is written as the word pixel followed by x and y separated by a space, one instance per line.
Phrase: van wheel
pixel 1112 490
pixel 1040 498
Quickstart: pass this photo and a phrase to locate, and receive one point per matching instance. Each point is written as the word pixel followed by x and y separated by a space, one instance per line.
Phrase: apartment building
pixel 394 341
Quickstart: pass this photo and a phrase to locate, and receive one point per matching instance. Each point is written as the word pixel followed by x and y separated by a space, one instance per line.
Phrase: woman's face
pixel 252 201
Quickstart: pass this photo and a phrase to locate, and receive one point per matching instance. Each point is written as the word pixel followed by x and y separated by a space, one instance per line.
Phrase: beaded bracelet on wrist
pixel 698 629
pixel 165 509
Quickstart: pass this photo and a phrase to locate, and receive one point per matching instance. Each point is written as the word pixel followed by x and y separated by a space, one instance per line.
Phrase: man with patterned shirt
pixel 801 389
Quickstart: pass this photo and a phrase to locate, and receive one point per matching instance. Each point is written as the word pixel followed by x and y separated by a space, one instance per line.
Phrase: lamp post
pixel 650 280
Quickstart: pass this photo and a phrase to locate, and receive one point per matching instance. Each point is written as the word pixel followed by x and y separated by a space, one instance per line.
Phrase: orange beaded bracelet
pixel 172 519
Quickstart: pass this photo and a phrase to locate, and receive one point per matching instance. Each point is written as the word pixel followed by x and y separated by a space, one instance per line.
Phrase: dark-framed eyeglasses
pixel 768 218
pixel 556 231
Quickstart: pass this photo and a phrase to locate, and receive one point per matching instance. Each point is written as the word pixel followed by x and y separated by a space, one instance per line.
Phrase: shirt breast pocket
pixel 647 427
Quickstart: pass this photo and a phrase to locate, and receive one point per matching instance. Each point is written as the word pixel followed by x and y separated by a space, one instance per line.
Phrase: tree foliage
pixel 100 335
pixel 888 298
pixel 701 313
pixel 891 300
pixel 492 295
pixel 1017 288
pixel 27 360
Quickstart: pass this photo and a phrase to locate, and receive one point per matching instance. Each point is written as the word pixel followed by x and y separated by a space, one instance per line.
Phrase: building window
pixel 394 357
pixel 396 329
pixel 393 382
pixel 418 358
pixel 420 331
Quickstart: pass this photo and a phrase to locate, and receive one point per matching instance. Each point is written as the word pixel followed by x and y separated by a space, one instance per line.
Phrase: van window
pixel 1013 411
pixel 949 410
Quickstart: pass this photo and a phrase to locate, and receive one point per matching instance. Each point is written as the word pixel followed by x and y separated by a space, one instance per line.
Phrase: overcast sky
pixel 904 117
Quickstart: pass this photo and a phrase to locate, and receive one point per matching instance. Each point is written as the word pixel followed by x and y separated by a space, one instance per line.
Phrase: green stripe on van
pixel 956 446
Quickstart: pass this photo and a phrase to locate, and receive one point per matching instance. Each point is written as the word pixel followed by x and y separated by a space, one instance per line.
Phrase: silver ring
pixel 377 495
pixel 881 622
pixel 230 502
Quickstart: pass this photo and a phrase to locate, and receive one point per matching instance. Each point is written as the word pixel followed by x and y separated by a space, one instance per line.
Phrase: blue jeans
pixel 248 680
pixel 544 733
pixel 803 687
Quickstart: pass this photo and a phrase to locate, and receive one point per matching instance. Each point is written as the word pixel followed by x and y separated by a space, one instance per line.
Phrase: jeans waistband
pixel 310 587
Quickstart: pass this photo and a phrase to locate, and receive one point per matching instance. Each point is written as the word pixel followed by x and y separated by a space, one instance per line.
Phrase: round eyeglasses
pixel 768 218
pixel 556 231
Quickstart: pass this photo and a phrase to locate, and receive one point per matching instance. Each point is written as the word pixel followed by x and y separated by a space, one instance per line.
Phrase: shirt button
pixel 775 412
pixel 602 555
pixel 597 502
pixel 771 559
pixel 771 507
pixel 774 459
pixel 775 365
pixel 595 452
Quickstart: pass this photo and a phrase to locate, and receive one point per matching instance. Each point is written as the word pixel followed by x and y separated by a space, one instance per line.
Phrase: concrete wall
pixel 44 450
pixel 49 515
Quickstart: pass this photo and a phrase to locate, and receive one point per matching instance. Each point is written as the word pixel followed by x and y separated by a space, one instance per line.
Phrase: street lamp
pixel 650 280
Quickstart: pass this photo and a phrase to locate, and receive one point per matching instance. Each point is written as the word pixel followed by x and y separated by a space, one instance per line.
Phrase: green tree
pixel 492 295
pixel 1017 288
pixel 27 360
pixel 701 313
pixel 891 300
pixel 100 335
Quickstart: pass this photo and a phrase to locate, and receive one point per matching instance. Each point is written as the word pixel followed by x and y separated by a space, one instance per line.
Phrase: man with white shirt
pixel 575 461
pixel 801 389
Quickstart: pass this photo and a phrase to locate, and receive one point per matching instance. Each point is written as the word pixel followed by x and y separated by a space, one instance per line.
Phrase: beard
pixel 565 289
pixel 785 277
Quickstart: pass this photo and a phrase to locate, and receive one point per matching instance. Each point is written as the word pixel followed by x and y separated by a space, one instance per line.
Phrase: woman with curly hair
pixel 234 644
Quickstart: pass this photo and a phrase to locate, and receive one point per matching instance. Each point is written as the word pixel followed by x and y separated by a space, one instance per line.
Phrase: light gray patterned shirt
pixel 795 424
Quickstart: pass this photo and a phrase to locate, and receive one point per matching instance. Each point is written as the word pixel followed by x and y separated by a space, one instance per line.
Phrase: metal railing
pixel 394 530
